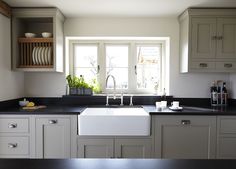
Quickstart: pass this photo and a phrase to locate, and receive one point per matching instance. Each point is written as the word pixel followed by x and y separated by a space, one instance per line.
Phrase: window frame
pixel 132 61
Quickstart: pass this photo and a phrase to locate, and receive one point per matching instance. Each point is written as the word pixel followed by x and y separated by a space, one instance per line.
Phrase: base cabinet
pixel 226 141
pixel 114 148
pixel 185 137
pixel 53 137
pixel 95 148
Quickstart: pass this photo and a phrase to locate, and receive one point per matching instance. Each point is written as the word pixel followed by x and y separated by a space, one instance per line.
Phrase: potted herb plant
pixel 72 85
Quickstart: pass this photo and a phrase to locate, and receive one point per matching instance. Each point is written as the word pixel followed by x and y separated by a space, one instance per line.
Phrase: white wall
pixel 11 83
pixel 181 85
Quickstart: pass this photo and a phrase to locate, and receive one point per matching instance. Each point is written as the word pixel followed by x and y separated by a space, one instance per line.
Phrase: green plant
pixel 71 81
pixel 96 87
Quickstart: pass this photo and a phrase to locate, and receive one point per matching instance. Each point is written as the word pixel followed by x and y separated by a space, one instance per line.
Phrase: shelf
pixel 35 66
pixel 35 40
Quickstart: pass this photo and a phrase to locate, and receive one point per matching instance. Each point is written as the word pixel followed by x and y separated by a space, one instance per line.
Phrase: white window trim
pixel 132 42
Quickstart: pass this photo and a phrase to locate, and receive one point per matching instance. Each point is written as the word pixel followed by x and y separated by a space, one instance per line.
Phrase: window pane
pixel 117 56
pixel 85 56
pixel 88 73
pixel 121 77
pixel 148 66
pixel 85 61
pixel 117 65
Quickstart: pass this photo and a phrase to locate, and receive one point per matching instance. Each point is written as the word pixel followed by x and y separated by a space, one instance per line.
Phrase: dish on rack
pixel 33 55
pixel 176 108
pixel 39 55
pixel 42 55
pixel 49 55
pixel 45 55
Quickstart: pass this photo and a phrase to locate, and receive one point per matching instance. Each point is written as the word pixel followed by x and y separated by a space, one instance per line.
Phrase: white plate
pixel 45 55
pixel 42 55
pixel 33 55
pixel 39 56
pixel 49 55
pixel 36 55
pixel 176 108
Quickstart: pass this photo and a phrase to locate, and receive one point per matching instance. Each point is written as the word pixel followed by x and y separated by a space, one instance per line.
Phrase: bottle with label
pixel 214 94
pixel 224 94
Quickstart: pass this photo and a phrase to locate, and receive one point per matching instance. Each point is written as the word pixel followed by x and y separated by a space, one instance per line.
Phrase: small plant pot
pixel 80 91
pixel 73 91
pixel 88 91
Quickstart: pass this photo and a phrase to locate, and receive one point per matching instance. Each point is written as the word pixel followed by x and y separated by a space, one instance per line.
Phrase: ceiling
pixel 121 8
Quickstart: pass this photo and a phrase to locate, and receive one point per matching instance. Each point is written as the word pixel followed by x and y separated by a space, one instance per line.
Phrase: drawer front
pixel 14 145
pixel 227 125
pixel 203 65
pixel 226 66
pixel 12 125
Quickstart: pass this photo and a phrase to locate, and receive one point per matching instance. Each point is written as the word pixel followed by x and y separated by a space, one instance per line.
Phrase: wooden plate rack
pixel 26 46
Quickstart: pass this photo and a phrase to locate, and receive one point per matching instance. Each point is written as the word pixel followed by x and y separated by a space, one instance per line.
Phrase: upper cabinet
pixel 208 40
pixel 37 53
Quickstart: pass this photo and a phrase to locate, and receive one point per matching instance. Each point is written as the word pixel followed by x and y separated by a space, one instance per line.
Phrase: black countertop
pixel 116 164
pixel 70 110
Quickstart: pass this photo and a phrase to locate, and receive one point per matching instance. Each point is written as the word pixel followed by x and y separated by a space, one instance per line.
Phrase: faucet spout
pixel 114 84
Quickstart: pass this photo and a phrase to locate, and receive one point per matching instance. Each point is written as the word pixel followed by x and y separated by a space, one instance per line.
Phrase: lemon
pixel 30 104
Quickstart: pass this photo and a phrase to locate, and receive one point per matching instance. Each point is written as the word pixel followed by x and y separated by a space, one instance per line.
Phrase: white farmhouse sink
pixel 114 122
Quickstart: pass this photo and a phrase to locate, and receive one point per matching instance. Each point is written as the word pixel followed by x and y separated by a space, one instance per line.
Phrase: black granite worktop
pixel 75 105
pixel 115 164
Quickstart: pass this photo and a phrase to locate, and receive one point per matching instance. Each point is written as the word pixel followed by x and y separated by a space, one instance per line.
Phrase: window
pixel 85 61
pixel 117 65
pixel 137 65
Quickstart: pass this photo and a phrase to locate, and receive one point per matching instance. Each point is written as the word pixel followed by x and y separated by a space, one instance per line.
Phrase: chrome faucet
pixel 114 91
pixel 114 84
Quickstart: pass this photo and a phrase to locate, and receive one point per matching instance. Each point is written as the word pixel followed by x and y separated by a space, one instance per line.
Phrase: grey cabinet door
pixel 203 38
pixel 189 137
pixel 133 148
pixel 95 148
pixel 226 137
pixel 226 43
pixel 53 137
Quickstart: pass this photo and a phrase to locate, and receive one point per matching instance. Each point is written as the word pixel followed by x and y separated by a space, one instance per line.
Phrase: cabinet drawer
pixel 12 125
pixel 226 65
pixel 203 65
pixel 227 125
pixel 14 145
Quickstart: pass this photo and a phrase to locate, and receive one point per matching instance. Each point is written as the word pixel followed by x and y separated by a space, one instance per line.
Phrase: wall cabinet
pixel 189 137
pixel 208 40
pixel 114 147
pixel 226 137
pixel 39 53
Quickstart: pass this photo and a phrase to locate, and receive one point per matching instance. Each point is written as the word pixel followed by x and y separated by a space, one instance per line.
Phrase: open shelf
pixel 35 40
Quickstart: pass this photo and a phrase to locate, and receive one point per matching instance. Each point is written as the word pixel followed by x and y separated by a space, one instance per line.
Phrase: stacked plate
pixel 42 55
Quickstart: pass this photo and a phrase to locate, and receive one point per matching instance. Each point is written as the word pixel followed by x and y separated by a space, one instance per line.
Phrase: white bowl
pixel 30 35
pixel 23 103
pixel 46 34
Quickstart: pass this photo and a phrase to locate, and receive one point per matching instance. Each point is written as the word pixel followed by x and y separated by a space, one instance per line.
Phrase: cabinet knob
pixel 12 125
pixel 52 121
pixel 12 145
pixel 203 65
pixel 214 37
pixel 228 65
pixel 185 122
pixel 220 38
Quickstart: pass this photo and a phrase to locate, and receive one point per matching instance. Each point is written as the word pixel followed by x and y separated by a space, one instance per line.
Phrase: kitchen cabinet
pixel 99 147
pixel 37 54
pixel 133 148
pixel 189 137
pixel 226 137
pixel 95 148
pixel 53 137
pixel 208 40
pixel 16 140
